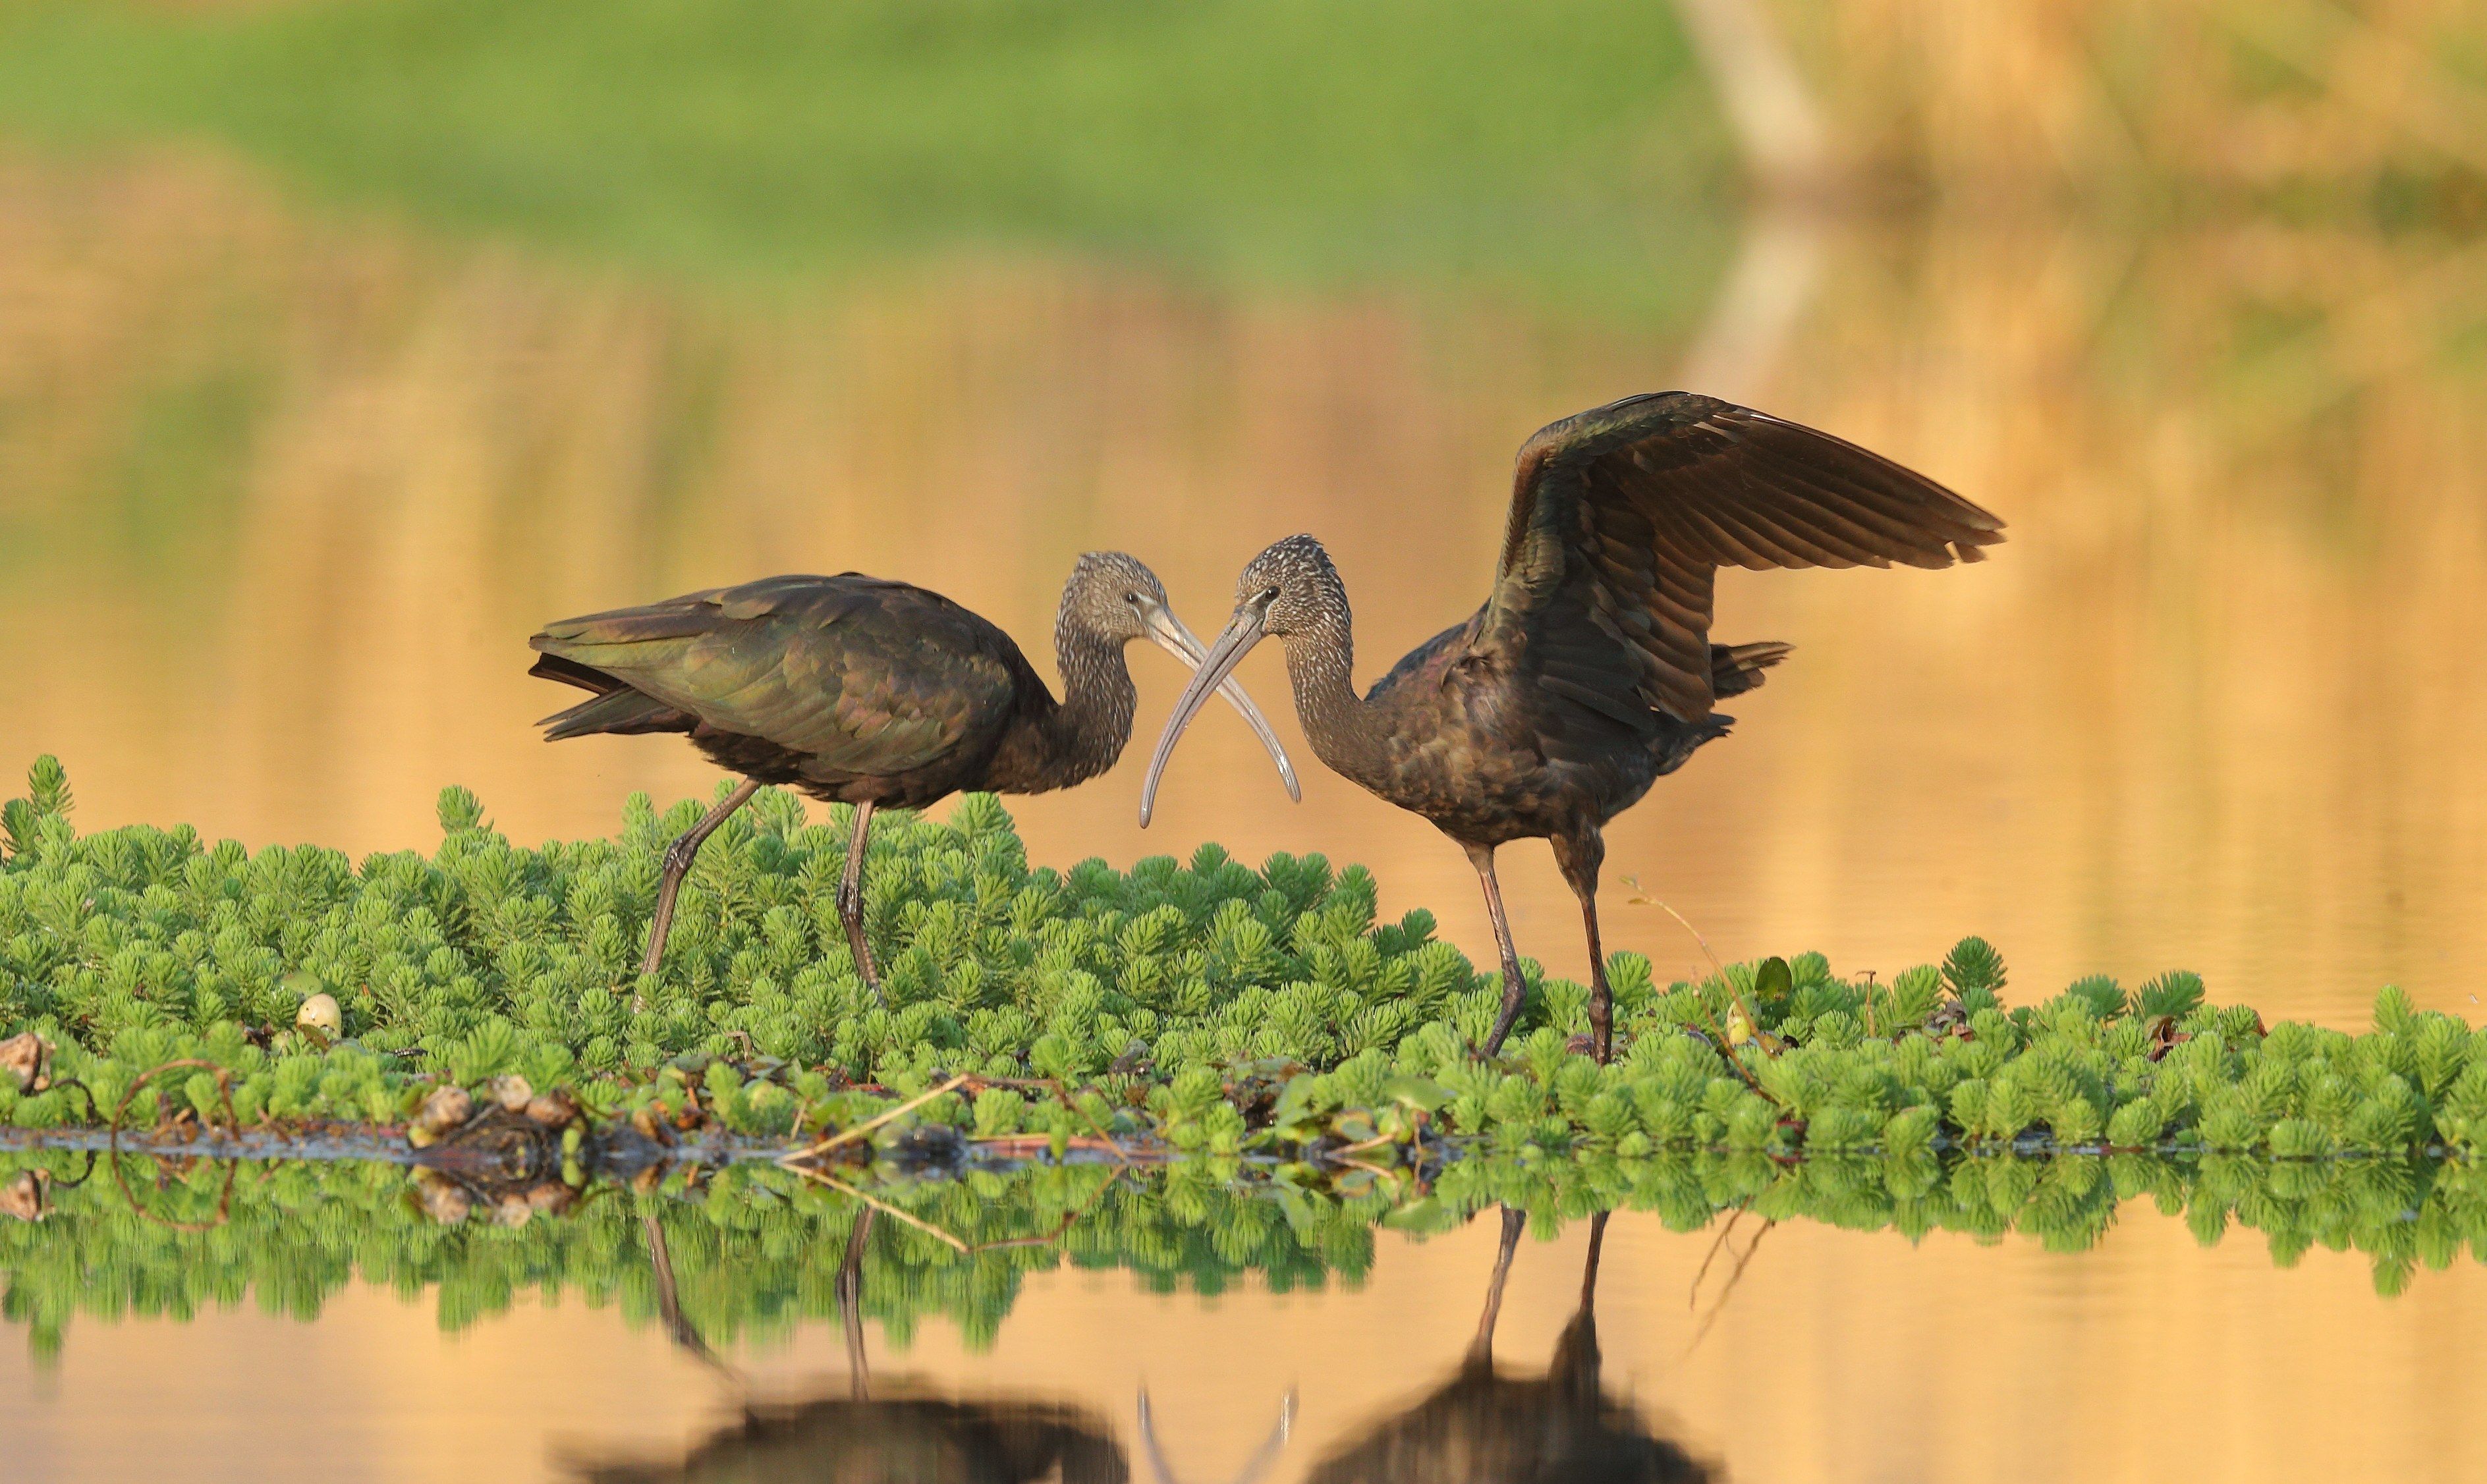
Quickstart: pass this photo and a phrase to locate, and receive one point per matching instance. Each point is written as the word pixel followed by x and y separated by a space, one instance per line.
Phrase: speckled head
pixel 1111 596
pixel 1292 587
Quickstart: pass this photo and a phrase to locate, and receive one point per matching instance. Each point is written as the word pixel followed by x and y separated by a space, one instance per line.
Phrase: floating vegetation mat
pixel 277 1073
pixel 166 986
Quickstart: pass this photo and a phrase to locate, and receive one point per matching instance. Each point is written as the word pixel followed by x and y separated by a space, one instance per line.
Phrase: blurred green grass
pixel 1565 148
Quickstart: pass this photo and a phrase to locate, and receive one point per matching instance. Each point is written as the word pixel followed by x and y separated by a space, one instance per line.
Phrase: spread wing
pixel 1621 517
pixel 867 676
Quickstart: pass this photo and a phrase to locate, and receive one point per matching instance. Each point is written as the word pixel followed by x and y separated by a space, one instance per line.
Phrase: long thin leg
pixel 1515 988
pixel 1579 855
pixel 850 900
pixel 669 1305
pixel 851 1305
pixel 1481 1348
pixel 679 856
pixel 1589 1270
pixel 1574 1373
pixel 1602 994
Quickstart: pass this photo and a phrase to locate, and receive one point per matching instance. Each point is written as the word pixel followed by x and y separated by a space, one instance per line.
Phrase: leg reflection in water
pixel 908 1435
pixel 1558 1428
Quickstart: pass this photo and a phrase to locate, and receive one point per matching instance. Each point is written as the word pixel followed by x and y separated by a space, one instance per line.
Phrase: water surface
pixel 1836 1356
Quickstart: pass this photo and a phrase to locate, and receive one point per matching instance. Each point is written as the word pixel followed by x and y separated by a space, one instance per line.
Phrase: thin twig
pixel 1024 1146
pixel 224 1198
pixel 65 1083
pixel 224 1088
pixel 84 1175
pixel 877 1204
pixel 1693 1295
pixel 1719 1042
pixel 848 1136
pixel 1061 1094
pixel 1733 1279
pixel 1375 1142
pixel 1643 898
pixel 1376 1170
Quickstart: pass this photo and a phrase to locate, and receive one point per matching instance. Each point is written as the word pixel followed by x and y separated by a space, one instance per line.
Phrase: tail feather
pixel 1736 668
pixel 621 713
pixel 570 672
pixel 616 709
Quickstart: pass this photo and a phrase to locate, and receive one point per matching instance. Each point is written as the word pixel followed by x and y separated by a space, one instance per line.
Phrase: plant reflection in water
pixel 1560 1427
pixel 908 1435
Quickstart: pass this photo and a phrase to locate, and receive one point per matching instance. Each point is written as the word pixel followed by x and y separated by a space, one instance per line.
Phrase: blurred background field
pixel 343 342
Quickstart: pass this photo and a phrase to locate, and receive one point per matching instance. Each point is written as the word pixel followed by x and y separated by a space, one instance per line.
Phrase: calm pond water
pixel 1837 1356
pixel 283 489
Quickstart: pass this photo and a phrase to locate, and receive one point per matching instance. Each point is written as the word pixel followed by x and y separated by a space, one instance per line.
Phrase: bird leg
pixel 850 901
pixel 1589 1269
pixel 669 1303
pixel 1579 856
pixel 1481 1348
pixel 1515 988
pixel 679 856
pixel 850 1289
pixel 1574 1373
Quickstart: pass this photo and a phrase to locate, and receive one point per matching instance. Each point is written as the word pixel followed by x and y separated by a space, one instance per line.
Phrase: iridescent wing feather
pixel 1621 517
pixel 864 675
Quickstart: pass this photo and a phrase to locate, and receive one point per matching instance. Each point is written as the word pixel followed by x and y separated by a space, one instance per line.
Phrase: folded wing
pixel 863 675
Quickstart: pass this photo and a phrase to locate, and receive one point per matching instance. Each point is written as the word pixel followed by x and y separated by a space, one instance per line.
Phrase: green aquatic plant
pixel 1200 1007
pixel 755 1247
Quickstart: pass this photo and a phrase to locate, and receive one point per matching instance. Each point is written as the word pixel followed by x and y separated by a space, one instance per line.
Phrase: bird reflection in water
pixel 1484 1427
pixel 907 1435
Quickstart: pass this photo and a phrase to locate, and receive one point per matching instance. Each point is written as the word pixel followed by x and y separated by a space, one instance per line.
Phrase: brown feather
pixel 1622 514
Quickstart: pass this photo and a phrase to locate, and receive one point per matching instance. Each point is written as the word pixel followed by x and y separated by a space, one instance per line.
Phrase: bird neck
pixel 1339 723
pixel 1085 733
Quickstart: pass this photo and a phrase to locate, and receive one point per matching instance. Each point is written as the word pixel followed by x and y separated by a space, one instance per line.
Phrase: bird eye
pixel 1268 595
pixel 1134 598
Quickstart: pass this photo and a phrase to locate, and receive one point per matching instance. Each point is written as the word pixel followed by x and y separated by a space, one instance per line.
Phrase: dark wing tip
pixel 569 671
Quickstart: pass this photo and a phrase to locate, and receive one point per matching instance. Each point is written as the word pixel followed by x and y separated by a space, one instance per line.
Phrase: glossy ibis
pixel 908 1433
pixel 1589 670
pixel 1557 1428
pixel 868 692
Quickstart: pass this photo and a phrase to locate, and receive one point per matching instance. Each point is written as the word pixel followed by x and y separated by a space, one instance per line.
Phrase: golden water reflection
pixel 279 500
pixel 1839 1358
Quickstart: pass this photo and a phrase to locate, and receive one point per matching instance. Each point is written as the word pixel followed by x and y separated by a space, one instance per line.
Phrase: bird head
pixel 1112 595
pixel 1114 598
pixel 1290 588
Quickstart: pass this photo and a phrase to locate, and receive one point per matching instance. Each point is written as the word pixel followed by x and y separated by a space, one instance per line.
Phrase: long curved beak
pixel 1168 633
pixel 1241 634
pixel 1253 1468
